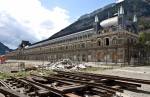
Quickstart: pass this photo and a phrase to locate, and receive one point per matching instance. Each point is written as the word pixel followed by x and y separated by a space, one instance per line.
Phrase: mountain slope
pixel 3 49
pixel 96 12
pixel 140 7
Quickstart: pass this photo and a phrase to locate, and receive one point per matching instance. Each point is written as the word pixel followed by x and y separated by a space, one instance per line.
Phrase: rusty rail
pixel 142 81
pixel 108 90
pixel 59 91
pixel 4 84
pixel 10 92
pixel 76 84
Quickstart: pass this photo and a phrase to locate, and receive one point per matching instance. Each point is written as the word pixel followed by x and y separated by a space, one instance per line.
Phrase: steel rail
pixel 11 93
pixel 74 81
pixel 86 83
pixel 4 84
pixel 60 92
pixel 109 77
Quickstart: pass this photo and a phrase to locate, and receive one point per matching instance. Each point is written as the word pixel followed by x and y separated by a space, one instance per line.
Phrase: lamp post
pixel 42 57
pixel 116 55
pixel 106 56
pixel 43 64
pixel 148 55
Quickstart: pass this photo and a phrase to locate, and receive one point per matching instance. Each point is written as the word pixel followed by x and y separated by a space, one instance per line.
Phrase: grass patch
pixel 93 69
pixel 7 75
pixel 48 73
pixel 141 65
pixel 4 75
pixel 119 65
pixel 23 74
pixel 125 65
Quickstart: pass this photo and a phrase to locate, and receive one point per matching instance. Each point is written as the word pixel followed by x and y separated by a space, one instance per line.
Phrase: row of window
pixel 114 41
pixel 66 40
pixel 84 45
pixel 81 45
pixel 131 40
pixel 107 30
pixel 61 48
pixel 72 39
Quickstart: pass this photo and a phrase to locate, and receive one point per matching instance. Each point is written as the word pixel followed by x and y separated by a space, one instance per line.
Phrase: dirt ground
pixel 130 72
pixel 13 65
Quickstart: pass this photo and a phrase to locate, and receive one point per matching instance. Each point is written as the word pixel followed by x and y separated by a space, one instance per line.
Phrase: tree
pixel 145 38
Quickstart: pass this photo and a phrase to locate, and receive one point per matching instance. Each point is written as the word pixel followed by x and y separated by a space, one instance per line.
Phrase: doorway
pixel 114 57
pixel 99 57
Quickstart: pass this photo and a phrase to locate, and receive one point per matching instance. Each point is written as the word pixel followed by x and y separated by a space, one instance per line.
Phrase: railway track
pixel 68 84
pixel 7 91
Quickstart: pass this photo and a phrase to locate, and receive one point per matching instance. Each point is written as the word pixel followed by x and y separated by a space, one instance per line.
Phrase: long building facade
pixel 114 40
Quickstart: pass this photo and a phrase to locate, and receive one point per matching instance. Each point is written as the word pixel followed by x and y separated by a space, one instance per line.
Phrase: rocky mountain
pixel 4 49
pixel 96 12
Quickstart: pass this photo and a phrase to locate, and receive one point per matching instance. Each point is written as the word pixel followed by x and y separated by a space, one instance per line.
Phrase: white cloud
pixel 29 20
pixel 119 1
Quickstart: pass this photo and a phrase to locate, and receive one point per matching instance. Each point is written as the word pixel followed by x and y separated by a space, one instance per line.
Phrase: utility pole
pixel 124 51
pixel 106 55
pixel 128 51
pixel 116 55
pixel 42 57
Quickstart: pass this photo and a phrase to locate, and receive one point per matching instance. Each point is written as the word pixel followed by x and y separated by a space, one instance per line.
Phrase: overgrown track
pixel 70 84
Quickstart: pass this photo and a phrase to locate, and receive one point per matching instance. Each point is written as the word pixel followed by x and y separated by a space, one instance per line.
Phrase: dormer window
pixel 114 29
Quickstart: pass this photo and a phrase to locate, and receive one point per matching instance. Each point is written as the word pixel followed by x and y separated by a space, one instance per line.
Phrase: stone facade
pixel 101 43
pixel 90 49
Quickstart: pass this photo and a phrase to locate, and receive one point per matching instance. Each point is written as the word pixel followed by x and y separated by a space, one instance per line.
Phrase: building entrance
pixel 99 57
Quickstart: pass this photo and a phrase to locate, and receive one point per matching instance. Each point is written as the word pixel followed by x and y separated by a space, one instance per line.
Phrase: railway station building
pixel 114 40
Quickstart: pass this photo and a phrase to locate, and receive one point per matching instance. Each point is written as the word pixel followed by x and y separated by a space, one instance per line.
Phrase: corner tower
pixel 96 25
pixel 135 25
pixel 121 18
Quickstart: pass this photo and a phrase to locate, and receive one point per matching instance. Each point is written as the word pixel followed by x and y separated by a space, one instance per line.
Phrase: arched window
pixel 107 41
pixel 114 40
pixel 99 43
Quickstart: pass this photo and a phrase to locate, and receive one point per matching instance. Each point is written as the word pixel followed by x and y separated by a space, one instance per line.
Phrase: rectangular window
pixel 83 45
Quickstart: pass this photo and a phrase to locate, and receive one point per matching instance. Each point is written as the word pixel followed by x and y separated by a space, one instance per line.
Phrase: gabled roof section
pixel 57 35
pixel 63 34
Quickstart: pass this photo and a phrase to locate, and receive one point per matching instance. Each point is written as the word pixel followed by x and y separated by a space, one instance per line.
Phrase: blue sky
pixel 76 8
pixel 36 20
